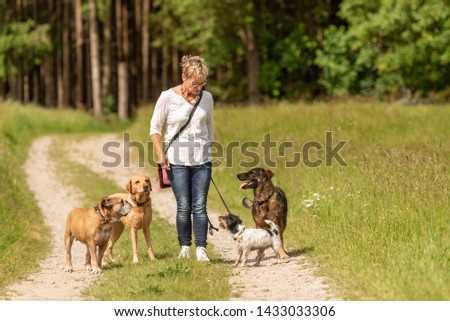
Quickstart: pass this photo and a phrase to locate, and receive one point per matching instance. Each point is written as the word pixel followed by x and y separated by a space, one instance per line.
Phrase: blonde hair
pixel 194 66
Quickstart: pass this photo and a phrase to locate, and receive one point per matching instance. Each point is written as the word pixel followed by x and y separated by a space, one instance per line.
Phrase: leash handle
pixel 223 201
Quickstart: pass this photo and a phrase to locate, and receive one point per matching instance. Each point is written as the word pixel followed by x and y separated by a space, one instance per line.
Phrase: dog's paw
pixel 96 270
pixel 88 267
pixel 247 202
pixel 68 268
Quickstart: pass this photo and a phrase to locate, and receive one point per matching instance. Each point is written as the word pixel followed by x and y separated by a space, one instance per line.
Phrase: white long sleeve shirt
pixel 193 146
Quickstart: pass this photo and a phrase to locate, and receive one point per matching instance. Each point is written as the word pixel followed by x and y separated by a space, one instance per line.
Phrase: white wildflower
pixel 308 203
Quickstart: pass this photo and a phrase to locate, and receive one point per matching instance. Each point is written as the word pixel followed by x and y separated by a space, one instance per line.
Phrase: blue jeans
pixel 190 184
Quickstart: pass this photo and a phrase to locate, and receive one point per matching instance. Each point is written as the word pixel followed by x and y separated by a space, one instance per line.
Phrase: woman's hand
pixel 162 158
pixel 164 161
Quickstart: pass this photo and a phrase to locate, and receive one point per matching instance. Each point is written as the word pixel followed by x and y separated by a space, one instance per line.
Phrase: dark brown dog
pixel 93 228
pixel 140 216
pixel 269 201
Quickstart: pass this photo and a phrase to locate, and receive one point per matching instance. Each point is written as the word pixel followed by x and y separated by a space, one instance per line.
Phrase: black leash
pixel 211 227
pixel 223 201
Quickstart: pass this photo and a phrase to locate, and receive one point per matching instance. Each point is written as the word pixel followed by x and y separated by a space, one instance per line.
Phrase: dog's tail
pixel 273 227
pixel 247 203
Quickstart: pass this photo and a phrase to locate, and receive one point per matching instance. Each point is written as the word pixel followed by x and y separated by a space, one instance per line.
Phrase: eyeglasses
pixel 197 84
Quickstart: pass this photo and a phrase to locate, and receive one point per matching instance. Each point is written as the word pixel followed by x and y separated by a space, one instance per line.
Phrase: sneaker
pixel 201 254
pixel 185 252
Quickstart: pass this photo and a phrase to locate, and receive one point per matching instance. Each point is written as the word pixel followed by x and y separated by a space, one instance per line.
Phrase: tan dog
pixel 140 216
pixel 93 228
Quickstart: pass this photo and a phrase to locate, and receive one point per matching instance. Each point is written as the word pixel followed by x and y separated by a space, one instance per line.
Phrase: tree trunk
pixel 145 52
pixel 136 62
pixel 48 68
pixel 122 54
pixel 123 90
pixel 106 63
pixel 155 86
pixel 175 65
pixel 49 81
pixel 154 80
pixel 67 67
pixel 37 87
pixel 26 88
pixel 252 60
pixel 59 57
pixel 95 59
pixel 165 59
pixel 79 85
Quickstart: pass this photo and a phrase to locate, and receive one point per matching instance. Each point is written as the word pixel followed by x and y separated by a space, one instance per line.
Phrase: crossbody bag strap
pixel 185 125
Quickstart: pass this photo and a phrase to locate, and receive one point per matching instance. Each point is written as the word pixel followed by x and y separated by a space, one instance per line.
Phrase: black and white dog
pixel 250 239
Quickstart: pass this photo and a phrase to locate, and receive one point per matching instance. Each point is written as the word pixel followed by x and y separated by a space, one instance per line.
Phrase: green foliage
pixel 22 46
pixel 343 71
pixel 388 46
pixel 286 48
pixel 283 74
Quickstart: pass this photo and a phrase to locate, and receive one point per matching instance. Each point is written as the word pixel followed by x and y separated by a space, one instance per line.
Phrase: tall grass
pixel 380 226
pixel 24 239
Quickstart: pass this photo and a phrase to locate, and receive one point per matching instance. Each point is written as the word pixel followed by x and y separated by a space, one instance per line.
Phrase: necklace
pixel 186 97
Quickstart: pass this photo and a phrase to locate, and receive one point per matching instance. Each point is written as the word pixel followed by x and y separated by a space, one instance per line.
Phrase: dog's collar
pixel 140 204
pixel 259 203
pixel 102 218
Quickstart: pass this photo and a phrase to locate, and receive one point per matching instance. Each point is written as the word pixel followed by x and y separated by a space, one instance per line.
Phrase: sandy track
pixel 51 283
pixel 287 281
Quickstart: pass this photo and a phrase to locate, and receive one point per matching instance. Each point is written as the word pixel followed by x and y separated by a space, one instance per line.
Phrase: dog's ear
pixel 106 202
pixel 269 173
pixel 129 186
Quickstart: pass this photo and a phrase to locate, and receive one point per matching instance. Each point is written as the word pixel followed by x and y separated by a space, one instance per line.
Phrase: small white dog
pixel 250 239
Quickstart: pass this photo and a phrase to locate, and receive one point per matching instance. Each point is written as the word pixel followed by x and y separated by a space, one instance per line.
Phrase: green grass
pixel 24 239
pixel 380 227
pixel 168 278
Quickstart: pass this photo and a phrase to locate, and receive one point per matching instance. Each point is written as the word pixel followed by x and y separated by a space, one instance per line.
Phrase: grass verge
pixel 379 226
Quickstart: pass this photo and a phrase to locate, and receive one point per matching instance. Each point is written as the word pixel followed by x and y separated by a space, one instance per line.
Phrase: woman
pixel 188 157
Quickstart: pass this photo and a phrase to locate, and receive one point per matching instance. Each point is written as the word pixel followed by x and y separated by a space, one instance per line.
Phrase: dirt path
pixel 287 281
pixel 51 283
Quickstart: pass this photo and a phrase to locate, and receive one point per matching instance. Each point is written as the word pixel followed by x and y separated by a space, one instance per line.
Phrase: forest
pixel 112 56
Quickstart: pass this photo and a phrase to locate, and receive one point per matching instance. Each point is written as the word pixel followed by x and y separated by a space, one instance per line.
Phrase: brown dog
pixel 269 201
pixel 140 217
pixel 93 228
